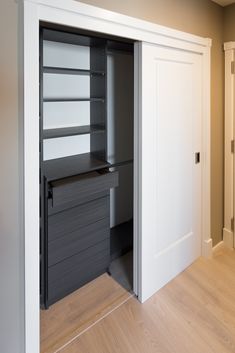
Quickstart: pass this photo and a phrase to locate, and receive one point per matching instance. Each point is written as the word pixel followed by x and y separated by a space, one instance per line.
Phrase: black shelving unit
pixel 75 189
pixel 82 181
pixel 97 99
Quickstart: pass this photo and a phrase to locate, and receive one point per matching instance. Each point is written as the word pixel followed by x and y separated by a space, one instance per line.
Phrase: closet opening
pixel 86 160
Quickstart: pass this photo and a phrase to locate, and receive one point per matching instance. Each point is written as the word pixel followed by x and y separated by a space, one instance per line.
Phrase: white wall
pixel 66 55
pixel 11 239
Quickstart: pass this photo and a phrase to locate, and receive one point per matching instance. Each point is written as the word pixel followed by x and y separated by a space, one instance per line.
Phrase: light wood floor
pixel 194 313
pixel 72 315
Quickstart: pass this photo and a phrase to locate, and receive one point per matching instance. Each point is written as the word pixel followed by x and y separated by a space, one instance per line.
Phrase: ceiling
pixel 224 2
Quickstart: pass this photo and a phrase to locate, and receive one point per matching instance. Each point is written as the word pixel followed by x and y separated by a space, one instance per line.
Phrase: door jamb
pixel 229 165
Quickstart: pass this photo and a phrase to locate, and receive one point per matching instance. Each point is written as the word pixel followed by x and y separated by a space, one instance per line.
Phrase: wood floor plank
pixel 218 302
pixel 203 322
pixel 73 314
pixel 123 331
pixel 194 313
pixel 135 328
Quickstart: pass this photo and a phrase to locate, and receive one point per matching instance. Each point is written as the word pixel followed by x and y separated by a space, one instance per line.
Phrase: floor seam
pixel 94 323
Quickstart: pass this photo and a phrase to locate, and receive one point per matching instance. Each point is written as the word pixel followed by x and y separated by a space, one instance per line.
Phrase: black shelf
pixel 72 131
pixel 121 163
pixel 74 37
pixel 101 99
pixel 70 71
pixel 69 166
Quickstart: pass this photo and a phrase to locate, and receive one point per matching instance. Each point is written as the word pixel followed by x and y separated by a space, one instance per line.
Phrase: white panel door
pixel 171 176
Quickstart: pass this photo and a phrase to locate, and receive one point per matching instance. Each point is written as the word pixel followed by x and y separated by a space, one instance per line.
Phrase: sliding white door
pixel 171 165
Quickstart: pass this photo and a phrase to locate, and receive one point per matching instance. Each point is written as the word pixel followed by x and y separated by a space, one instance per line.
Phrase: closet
pixel 86 159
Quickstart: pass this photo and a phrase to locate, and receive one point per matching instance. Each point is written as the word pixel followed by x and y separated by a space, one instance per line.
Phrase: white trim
pixel 207 248
pixel 229 172
pixel 228 238
pixel 137 171
pixel 206 157
pixel 218 246
pixel 229 46
pixel 31 178
pixel 75 14
pixel 106 16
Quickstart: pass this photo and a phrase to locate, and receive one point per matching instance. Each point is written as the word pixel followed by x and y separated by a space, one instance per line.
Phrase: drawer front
pixel 71 220
pixel 82 187
pixel 74 272
pixel 78 241
pixel 53 210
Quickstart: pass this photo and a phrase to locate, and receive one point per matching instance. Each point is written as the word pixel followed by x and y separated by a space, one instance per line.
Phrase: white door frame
pixel 229 172
pixel 75 14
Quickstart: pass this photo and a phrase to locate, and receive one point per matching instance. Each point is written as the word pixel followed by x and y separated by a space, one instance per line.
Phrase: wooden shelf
pixel 100 99
pixel 70 71
pixel 72 131
pixel 69 166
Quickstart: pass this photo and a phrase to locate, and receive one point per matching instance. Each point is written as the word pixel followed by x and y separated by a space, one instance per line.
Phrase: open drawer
pixel 82 187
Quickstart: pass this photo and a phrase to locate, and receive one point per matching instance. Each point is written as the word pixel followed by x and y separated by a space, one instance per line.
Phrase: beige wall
pixel 229 23
pixel 204 18
pixel 11 239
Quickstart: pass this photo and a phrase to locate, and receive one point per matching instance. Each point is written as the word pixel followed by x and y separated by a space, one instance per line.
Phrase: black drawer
pixel 64 268
pixel 78 241
pixel 71 220
pixel 71 274
pixel 82 187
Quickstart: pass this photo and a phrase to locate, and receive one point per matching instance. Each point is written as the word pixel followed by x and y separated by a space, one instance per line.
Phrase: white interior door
pixel 171 176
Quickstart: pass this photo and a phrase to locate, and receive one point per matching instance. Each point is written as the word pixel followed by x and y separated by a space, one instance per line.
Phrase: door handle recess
pixel 197 157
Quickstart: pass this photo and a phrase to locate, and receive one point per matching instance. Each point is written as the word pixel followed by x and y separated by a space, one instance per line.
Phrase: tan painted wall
pixel 11 239
pixel 229 23
pixel 204 18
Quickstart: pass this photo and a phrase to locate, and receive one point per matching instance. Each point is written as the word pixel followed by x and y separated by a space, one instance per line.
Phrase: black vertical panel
pixel 45 245
pixel 43 184
pixel 98 89
pixel 98 54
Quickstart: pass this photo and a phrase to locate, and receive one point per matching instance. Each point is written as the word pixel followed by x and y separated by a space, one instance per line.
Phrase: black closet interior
pixel 86 158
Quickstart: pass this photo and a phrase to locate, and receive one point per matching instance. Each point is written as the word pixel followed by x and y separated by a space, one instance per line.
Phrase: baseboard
pixel 207 248
pixel 228 238
pixel 217 246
